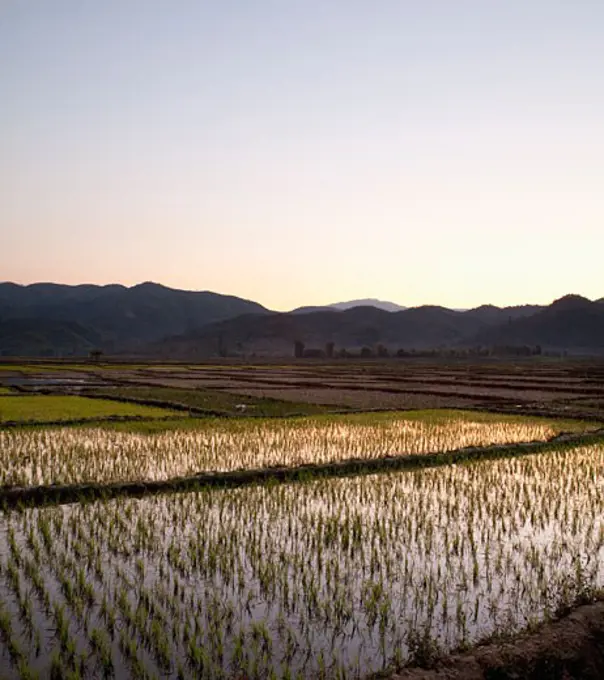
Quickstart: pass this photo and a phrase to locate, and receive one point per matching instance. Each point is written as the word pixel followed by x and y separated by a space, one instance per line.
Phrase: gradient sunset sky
pixel 302 152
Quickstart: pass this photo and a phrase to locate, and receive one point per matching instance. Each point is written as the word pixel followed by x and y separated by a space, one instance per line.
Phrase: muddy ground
pixel 569 649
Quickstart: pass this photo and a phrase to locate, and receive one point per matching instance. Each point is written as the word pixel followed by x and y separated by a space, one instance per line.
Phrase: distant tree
pixel 329 350
pixel 366 352
pixel 382 351
pixel 95 355
pixel 222 348
pixel 298 349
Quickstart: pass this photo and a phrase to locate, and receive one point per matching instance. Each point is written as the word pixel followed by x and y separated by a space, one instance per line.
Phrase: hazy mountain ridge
pixel 310 309
pixel 351 304
pixel 152 320
pixel 369 302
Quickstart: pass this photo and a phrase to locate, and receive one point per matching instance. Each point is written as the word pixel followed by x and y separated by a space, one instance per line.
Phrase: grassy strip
pixel 58 494
pixel 138 424
pixel 44 409
pixel 19 369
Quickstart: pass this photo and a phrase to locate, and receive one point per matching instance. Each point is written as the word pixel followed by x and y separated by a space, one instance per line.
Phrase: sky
pixel 300 152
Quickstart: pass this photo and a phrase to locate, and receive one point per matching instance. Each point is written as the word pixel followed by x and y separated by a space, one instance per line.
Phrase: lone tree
pixel 382 351
pixel 298 349
pixel 95 355
pixel 329 349
pixel 222 348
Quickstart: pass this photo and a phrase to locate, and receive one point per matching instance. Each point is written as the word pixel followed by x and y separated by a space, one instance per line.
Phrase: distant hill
pixel 342 306
pixel 572 323
pixel 369 302
pixel 419 328
pixel 492 315
pixel 314 308
pixel 114 317
pixel 275 334
pixel 46 337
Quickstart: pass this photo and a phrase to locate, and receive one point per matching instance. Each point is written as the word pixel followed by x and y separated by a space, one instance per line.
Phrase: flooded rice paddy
pixel 331 578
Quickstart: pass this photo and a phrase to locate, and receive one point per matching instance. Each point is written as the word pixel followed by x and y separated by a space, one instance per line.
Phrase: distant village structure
pixel 380 351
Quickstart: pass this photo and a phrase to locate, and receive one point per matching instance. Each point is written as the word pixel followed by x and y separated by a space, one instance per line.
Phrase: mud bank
pixel 571 648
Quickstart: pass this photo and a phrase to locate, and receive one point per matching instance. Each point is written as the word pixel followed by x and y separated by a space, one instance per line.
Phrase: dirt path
pixel 569 649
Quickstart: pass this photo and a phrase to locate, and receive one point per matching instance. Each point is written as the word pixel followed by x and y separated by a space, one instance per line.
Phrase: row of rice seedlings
pixel 71 456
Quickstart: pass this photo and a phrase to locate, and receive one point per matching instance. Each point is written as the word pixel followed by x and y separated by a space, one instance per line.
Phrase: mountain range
pixel 152 320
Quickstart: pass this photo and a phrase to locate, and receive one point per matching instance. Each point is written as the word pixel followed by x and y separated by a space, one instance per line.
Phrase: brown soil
pixel 571 648
pixel 357 399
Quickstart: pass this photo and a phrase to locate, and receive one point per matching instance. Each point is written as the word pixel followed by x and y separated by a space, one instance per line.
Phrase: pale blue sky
pixel 300 152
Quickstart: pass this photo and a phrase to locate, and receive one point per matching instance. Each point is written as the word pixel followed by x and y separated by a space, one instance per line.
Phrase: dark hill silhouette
pixel 492 315
pixel 572 322
pixel 120 318
pixel 425 327
pixel 46 337
pixel 153 320
pixel 571 302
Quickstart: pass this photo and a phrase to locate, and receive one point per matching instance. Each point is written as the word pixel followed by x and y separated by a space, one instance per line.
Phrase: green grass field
pixel 19 368
pixel 41 408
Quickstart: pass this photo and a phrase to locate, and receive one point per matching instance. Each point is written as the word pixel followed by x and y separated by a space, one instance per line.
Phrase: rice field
pixel 335 578
pixel 97 455
pixel 46 408
pixel 213 401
